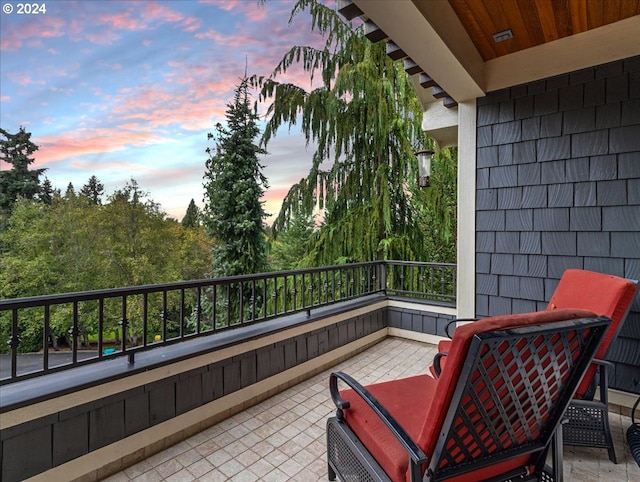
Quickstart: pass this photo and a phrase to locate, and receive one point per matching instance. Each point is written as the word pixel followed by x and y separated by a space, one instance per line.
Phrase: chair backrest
pixel 507 382
pixel 605 295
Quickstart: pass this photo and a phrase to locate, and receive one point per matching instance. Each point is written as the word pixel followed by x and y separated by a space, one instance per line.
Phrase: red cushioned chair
pixel 493 413
pixel 606 295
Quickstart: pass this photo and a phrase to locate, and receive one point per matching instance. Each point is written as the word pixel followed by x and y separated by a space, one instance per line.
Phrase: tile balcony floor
pixel 283 438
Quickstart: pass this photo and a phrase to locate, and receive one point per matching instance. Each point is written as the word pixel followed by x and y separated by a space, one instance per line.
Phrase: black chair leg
pixel 331 473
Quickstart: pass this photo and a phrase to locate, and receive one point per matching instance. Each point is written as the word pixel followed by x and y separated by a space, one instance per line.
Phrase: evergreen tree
pixel 191 218
pixel 70 193
pixel 46 192
pixel 93 190
pixel 234 184
pixel 366 118
pixel 15 150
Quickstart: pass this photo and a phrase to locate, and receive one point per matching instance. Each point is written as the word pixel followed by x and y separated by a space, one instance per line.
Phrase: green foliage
pixel 233 213
pixel 19 181
pixel 192 216
pixel 93 190
pixel 290 247
pixel 74 244
pixel 365 118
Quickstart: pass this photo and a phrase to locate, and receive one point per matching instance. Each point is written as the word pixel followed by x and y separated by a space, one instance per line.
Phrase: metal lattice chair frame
pixel 508 402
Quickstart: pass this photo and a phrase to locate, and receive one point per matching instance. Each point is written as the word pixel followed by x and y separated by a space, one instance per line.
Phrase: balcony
pixel 283 437
pixel 198 389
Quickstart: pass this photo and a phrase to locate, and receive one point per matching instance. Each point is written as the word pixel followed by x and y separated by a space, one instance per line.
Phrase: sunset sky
pixel 125 89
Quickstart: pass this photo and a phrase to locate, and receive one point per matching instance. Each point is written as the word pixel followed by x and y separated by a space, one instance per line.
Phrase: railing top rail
pixel 26 302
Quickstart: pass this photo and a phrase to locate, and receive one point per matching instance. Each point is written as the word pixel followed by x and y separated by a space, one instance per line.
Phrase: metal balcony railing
pixel 102 324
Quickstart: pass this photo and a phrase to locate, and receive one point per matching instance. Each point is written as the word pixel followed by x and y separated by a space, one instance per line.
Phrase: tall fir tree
pixel 16 151
pixel 234 183
pixel 364 117
pixel 93 190
pixel 191 218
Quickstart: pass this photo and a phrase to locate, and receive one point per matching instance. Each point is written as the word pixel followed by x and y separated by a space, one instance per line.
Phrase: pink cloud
pixel 5 98
pixel 121 21
pixel 79 142
pixel 31 32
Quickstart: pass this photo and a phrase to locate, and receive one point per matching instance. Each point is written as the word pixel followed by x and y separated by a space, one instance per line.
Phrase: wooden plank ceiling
pixel 534 22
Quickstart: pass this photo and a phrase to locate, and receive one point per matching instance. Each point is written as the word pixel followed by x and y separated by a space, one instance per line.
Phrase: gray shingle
pixel 483 263
pixel 612 193
pixel 499 306
pixel 530 242
pixel 624 139
pixel 558 81
pixel 485 242
pixel 586 219
pixel 508 242
pixel 486 284
pixel 545 103
pixel 502 263
pixel 608 115
pixel 552 172
pixel 530 128
pixel 628 166
pixel 579 120
pixel 571 97
pixel 482 305
pixel 534 197
pixel 538 266
pixel 519 220
pixel 506 132
pixel 609 69
pixel 520 264
pixel 536 87
pixel 524 152
pixel 603 168
pixel 594 93
pixel 503 176
pixel 518 91
pixel 625 245
pixel 582 76
pixel 553 148
pixel 631 64
pixel 556 219
pixel 559 243
pixel 577 169
pixel 488 114
pixel 560 195
pixel 630 112
pixel 506 111
pixel 482 178
pixel 486 199
pixel 633 191
pixel 632 271
pixel 551 125
pixel 487 156
pixel 593 244
pixel 585 193
pixel 621 218
pixel 524 107
pixel 505 154
pixel 614 266
pixel 634 85
pixel 510 198
pixel 532 288
pixel 523 306
pixel 617 88
pixel 528 174
pixel 484 136
pixel 509 286
pixel 559 264
pixel 490 220
pixel 590 143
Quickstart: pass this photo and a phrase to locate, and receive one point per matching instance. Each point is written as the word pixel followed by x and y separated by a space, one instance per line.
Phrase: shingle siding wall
pixel 558 186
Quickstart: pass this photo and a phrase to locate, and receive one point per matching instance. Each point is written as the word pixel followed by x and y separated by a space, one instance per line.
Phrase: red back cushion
pixel 603 294
pixel 455 361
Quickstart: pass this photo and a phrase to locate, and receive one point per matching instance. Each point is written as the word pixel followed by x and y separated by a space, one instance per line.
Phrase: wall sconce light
pixel 424 167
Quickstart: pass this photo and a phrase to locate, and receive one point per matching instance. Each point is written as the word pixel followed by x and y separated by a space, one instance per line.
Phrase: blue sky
pixel 125 89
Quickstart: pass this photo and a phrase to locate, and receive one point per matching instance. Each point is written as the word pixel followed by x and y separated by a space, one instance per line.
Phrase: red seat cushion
pixel 420 403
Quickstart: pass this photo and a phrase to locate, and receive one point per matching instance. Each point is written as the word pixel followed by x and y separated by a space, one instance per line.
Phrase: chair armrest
pixel 436 362
pixel 456 320
pixel 415 453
